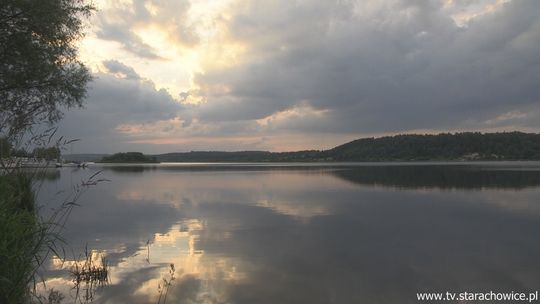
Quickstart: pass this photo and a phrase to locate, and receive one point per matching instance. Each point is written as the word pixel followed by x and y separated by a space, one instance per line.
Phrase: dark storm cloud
pixel 394 66
pixel 130 100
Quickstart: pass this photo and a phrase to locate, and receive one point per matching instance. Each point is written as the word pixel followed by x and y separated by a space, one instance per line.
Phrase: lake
pixel 299 233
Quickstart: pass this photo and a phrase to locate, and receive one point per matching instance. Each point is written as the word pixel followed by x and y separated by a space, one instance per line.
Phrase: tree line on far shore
pixel 465 146
pixel 444 146
pixel 46 153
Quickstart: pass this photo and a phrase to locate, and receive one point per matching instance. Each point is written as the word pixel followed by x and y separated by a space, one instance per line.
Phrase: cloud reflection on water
pixel 311 236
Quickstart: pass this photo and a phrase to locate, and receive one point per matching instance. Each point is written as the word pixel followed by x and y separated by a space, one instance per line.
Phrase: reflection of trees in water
pixel 42 174
pixel 130 169
pixel 402 176
pixel 215 167
pixel 445 177
pixel 48 175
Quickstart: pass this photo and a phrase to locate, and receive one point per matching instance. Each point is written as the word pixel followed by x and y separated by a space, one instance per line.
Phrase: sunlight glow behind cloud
pixel 283 75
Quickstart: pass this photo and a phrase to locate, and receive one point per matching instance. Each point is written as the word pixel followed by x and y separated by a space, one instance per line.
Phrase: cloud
pixel 118 96
pixel 125 22
pixel 387 66
pixel 129 40
pixel 120 70
pixel 286 75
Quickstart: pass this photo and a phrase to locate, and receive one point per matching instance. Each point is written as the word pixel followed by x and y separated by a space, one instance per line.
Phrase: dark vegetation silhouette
pixel 40 72
pixel 40 76
pixel 443 147
pixel 129 157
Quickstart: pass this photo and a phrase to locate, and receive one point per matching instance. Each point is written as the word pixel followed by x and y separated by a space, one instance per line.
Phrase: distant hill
pixel 444 146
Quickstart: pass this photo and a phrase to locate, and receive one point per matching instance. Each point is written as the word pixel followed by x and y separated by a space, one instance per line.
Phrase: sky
pixel 284 75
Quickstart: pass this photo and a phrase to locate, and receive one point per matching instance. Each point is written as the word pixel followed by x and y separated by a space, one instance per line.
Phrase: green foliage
pixel 39 69
pixel 5 147
pixel 128 157
pixel 26 239
pixel 19 153
pixel 18 238
pixel 48 154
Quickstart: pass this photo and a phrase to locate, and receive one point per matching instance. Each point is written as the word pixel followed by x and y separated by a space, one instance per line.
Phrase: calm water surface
pixel 302 233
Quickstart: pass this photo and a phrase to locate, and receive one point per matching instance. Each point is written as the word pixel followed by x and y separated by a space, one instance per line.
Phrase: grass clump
pixel 20 234
pixel 27 239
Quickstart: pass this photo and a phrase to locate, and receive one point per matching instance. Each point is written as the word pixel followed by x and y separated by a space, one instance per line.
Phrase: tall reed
pixel 26 239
